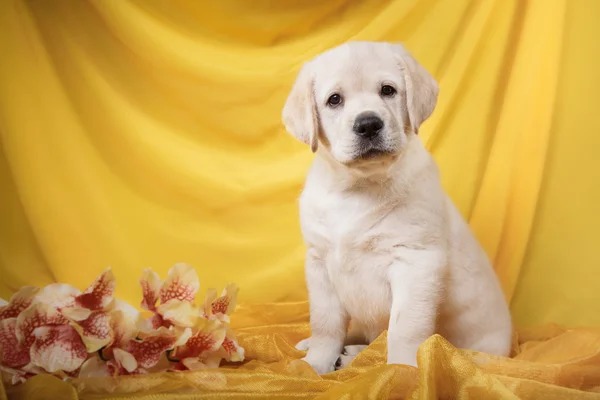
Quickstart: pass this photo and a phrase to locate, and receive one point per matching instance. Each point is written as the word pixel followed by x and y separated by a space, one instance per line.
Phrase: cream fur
pixel 387 248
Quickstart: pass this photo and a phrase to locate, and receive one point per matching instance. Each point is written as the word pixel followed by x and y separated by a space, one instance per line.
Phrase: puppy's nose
pixel 367 125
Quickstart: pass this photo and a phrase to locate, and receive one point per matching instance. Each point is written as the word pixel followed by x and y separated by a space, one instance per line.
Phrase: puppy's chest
pixel 356 244
pixel 350 235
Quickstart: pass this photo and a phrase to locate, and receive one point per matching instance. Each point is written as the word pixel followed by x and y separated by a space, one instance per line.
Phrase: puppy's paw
pixel 349 353
pixel 321 367
pixel 343 361
pixel 354 349
pixel 303 345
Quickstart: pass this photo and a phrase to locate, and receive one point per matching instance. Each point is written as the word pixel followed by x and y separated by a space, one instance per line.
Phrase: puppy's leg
pixel 416 281
pixel 355 336
pixel 303 345
pixel 328 320
pixel 348 354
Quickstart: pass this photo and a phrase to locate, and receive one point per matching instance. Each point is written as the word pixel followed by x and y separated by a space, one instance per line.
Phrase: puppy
pixel 387 248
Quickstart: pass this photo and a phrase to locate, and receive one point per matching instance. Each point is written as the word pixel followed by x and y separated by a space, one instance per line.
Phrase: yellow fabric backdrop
pixel 140 133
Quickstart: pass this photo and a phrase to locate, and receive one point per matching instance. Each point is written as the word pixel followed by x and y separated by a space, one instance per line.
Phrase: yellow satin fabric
pixel 549 363
pixel 141 133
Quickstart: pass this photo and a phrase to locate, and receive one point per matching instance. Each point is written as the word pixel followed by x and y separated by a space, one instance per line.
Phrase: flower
pixel 140 355
pixel 207 338
pixel 176 325
pixel 230 349
pixel 176 294
pixel 53 329
pixel 12 353
pixel 221 307
pixel 87 312
pixel 68 333
pixel 211 339
pixel 40 338
pixel 123 323
pixel 57 348
pixel 18 302
pixel 79 306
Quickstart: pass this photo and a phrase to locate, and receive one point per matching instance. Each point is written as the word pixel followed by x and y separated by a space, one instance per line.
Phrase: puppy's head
pixel 361 101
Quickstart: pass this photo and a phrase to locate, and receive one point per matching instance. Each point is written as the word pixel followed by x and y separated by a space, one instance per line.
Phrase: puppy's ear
pixel 300 111
pixel 421 89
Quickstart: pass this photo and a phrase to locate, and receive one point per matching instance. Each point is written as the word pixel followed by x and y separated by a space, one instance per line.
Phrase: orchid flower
pixel 12 353
pixel 53 329
pixel 220 307
pixel 86 312
pixel 230 349
pixel 68 333
pixel 199 350
pixel 176 295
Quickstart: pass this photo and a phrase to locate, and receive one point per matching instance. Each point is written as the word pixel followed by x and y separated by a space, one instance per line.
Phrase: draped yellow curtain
pixel 139 133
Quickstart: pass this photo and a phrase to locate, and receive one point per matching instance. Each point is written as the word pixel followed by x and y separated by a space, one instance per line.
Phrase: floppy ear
pixel 421 89
pixel 300 112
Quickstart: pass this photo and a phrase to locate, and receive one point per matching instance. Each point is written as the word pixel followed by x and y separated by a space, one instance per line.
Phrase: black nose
pixel 367 125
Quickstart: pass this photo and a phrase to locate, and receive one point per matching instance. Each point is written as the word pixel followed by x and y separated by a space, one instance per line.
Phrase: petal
pixel 182 283
pixel 95 331
pixel 18 302
pixel 151 284
pixel 208 337
pixel 152 323
pixel 126 360
pixel 76 313
pixel 231 349
pixel 211 360
pixel 58 295
pixel 211 296
pixel 208 360
pixel 193 364
pixel 38 314
pixel 115 369
pixel 57 348
pixel 148 351
pixel 226 303
pixel 129 311
pixel 12 353
pixel 94 368
pixel 179 313
pixel 182 336
pixel 123 320
pixel 100 294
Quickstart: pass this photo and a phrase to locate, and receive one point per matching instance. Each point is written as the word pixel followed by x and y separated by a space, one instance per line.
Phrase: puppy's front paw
pixel 349 354
pixel 303 345
pixel 321 367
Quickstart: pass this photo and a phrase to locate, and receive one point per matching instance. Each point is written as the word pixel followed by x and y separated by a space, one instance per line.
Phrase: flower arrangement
pixel 62 331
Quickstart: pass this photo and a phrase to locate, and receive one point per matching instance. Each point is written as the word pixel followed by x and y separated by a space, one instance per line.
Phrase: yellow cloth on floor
pixel 549 363
pixel 138 133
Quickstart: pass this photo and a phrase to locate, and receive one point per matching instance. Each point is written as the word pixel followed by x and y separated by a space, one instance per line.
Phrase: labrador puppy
pixel 387 248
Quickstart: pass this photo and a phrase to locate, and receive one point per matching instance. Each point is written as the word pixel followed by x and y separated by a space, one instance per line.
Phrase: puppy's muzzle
pixel 367 125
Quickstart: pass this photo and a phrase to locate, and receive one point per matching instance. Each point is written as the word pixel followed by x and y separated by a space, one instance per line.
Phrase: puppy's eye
pixel 334 99
pixel 388 91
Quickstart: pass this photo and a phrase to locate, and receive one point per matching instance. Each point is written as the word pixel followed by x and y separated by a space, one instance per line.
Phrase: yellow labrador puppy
pixel 387 248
